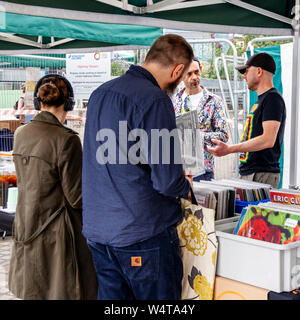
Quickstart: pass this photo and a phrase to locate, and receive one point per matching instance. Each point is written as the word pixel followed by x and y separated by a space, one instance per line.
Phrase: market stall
pixel 275 17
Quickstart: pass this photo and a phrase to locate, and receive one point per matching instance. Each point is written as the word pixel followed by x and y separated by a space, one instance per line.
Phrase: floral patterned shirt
pixel 212 121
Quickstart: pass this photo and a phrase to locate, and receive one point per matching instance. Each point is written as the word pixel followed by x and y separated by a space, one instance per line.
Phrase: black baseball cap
pixel 262 59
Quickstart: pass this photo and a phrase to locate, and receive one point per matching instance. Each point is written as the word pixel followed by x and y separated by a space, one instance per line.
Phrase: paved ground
pixel 5 246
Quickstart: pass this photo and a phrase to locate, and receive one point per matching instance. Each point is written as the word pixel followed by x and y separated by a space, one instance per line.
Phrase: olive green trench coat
pixel 50 258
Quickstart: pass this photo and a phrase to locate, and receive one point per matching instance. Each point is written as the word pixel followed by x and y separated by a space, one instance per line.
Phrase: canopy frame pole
pixel 58 42
pixel 221 85
pixel 173 5
pixel 39 44
pixel 123 4
pixel 250 45
pixel 226 111
pixel 295 99
pixel 38 57
pixel 244 90
pixel 74 50
pixel 162 5
pixel 40 11
pixel 246 104
pixel 9 37
pixel 227 78
pixel 259 10
pixel 236 105
pixel 190 4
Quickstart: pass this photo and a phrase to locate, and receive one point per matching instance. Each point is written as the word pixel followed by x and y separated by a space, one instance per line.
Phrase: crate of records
pixel 229 196
pixel 261 246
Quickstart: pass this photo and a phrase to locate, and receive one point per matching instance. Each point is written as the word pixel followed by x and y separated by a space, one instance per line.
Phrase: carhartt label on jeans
pixel 136 261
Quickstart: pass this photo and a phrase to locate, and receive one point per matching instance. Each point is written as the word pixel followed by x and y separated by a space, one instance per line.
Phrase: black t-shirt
pixel 269 106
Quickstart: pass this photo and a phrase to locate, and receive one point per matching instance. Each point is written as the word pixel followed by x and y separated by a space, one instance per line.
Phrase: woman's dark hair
pixel 53 92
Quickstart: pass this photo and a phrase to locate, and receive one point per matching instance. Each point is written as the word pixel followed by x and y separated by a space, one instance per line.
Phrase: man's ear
pixel 177 71
pixel 260 71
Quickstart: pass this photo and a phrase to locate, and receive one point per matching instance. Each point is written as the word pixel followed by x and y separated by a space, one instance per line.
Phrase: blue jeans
pixel 207 176
pixel 147 270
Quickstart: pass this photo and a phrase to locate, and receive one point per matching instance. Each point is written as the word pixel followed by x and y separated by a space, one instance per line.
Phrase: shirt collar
pixel 140 71
pixel 48 117
pixel 204 90
pixel 180 93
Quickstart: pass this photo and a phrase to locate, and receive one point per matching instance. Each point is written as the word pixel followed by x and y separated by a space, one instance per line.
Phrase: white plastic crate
pixel 274 267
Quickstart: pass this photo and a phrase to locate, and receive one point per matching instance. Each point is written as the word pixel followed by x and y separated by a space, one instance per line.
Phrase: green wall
pixel 8 98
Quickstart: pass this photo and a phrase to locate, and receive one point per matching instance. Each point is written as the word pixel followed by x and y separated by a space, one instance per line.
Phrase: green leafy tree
pixel 117 69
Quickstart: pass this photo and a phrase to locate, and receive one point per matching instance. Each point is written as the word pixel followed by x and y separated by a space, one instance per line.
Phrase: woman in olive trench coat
pixel 50 258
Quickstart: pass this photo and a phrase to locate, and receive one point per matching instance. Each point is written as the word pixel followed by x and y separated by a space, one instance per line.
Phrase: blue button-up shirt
pixel 127 203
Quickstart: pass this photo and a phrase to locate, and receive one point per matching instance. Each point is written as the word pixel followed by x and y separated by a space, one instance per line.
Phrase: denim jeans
pixel 147 270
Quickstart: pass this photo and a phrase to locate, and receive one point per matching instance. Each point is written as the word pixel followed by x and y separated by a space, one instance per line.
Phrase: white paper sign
pixel 32 77
pixel 87 71
pixel 291 223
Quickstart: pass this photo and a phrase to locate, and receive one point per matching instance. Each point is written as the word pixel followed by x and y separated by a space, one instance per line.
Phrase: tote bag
pixel 198 248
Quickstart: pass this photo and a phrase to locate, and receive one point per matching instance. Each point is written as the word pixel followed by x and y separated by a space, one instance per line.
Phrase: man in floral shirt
pixel 210 113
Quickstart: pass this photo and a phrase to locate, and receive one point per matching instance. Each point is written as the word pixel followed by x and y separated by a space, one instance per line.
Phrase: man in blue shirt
pixel 131 194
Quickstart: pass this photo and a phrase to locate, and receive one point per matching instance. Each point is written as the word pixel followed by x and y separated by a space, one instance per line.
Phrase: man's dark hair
pixel 170 49
pixel 197 60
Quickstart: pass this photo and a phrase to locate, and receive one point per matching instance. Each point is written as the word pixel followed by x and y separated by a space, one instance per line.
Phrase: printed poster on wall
pixel 32 77
pixel 87 71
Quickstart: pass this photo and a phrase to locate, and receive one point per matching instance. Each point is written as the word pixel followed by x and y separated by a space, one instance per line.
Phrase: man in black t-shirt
pixel 260 146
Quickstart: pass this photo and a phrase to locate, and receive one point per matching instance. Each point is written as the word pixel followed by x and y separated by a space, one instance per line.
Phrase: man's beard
pixel 170 90
pixel 193 86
